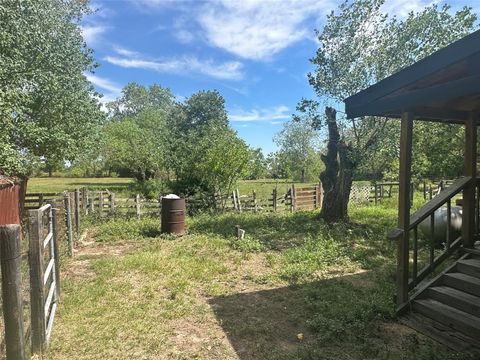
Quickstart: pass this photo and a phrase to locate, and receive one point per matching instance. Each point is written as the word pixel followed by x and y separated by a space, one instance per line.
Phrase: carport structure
pixel 444 87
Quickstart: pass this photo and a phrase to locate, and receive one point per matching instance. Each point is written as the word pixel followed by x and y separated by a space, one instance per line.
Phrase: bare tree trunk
pixel 303 175
pixel 337 177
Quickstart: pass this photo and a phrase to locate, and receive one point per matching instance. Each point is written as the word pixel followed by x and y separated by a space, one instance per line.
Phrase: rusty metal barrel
pixel 173 215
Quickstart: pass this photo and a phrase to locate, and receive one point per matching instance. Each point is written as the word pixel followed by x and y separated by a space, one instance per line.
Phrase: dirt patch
pixel 88 251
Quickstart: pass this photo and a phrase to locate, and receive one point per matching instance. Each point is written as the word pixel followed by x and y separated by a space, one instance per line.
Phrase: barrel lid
pixel 171 196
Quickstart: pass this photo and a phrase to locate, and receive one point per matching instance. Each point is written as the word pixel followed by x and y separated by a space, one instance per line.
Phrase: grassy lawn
pixel 59 184
pixel 294 288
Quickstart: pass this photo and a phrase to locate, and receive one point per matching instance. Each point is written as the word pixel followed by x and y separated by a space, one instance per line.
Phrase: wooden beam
pixel 404 206
pixel 449 55
pixel 417 98
pixel 470 171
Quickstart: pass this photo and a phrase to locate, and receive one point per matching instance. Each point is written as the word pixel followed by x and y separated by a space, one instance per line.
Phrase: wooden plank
pixel 68 223
pixel 47 240
pixel 449 55
pixel 56 254
pixel 456 298
pixel 10 262
pixel 449 316
pixel 48 271
pixel 36 281
pixel 463 282
pixel 404 207
pixel 470 171
pixel 48 301
pixel 417 98
pixel 77 211
pixel 442 334
pixel 438 201
pixel 469 266
pixel 50 322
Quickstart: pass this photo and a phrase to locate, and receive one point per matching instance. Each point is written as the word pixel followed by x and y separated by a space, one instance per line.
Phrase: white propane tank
pixel 440 225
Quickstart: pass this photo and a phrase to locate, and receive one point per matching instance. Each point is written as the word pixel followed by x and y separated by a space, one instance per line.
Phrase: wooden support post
pixel 91 202
pixel 239 201
pixel 317 196
pixel 320 201
pixel 254 197
pixel 137 206
pixel 84 201
pixel 470 170
pixel 112 202
pixel 293 206
pixel 412 189
pixel 37 296
pixel 68 223
pixel 100 202
pixel 56 255
pixel 77 211
pixel 234 200
pixel 376 193
pixel 274 194
pixel 10 252
pixel 404 207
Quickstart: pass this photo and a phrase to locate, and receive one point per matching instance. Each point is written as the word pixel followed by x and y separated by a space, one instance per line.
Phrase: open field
pixel 59 184
pixel 294 288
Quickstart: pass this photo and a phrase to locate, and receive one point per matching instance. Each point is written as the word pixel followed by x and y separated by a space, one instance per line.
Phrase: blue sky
pixel 254 52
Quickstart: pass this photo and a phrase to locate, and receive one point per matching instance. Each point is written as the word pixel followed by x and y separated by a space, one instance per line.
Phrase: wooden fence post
pixel 77 211
pixel 320 199
pixel 234 200
pixel 376 193
pixel 10 251
pixel 68 222
pixel 100 202
pixel 137 206
pixel 112 202
pixel 37 296
pixel 84 201
pixel 274 194
pixel 91 202
pixel 55 248
pixel 254 195
pixel 239 201
pixel 294 198
pixel 40 200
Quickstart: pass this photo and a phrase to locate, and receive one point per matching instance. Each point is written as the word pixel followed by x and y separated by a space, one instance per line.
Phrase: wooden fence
pixel 30 282
pixel 44 274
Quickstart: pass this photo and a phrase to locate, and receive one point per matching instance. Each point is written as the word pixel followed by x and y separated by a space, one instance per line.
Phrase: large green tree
pixel 47 106
pixel 298 143
pixel 359 46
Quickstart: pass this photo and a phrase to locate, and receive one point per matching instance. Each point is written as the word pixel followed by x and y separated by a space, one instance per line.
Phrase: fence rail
pixel 44 274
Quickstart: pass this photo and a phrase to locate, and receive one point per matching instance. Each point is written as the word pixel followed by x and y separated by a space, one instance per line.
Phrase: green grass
pixel 293 288
pixel 59 184
pixel 264 187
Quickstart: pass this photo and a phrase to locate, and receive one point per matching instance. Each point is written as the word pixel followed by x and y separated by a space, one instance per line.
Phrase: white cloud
pixel 259 29
pixel 401 8
pixel 184 36
pixel 230 70
pixel 104 83
pixel 93 33
pixel 269 114
pixel 112 89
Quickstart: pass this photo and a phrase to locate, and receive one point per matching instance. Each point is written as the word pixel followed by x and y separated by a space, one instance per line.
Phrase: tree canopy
pixel 47 106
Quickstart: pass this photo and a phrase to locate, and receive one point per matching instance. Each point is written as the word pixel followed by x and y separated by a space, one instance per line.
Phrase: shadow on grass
pixel 363 240
pixel 274 231
pixel 329 319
